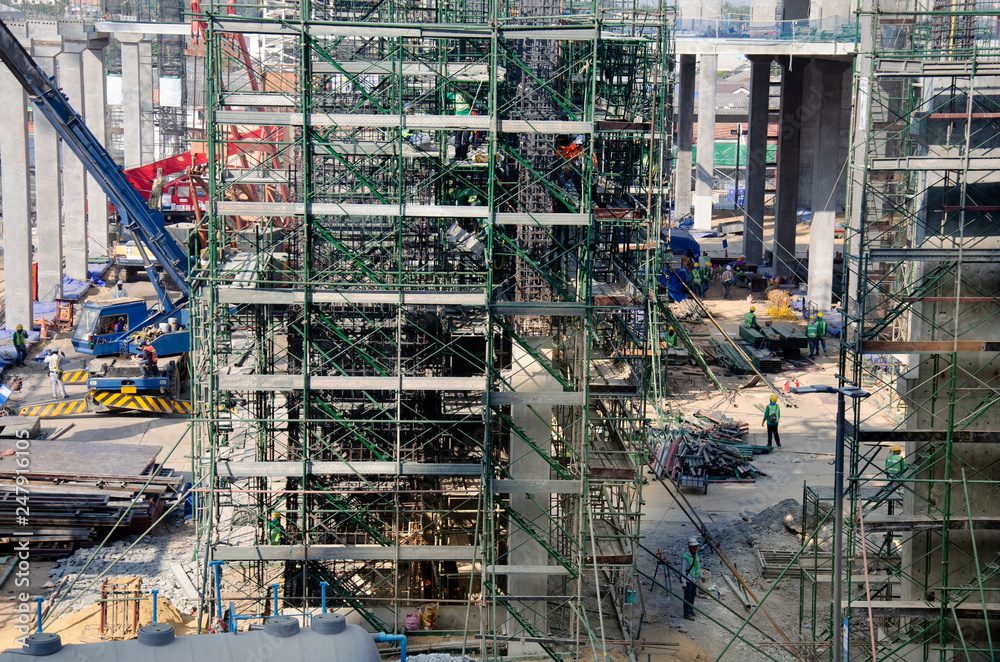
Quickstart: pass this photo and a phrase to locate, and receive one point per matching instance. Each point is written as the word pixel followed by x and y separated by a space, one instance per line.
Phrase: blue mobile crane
pixel 96 331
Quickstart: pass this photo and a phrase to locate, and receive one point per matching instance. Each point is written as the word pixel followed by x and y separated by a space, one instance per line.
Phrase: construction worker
pixel 895 465
pixel 119 291
pixel 416 138
pixel 706 276
pixel 54 362
pixel 274 530
pixel 772 414
pixel 147 361
pixel 20 345
pixel 463 108
pixel 690 574
pixel 728 276
pixel 820 332
pixel 696 279
pixel 811 331
pixel 119 325
pixel 671 337
pixel 750 319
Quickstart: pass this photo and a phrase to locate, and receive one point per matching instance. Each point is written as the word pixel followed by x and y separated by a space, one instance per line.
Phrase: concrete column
pixel 705 170
pixel 826 176
pixel 527 375
pixel 73 173
pixel 48 187
pixel 685 137
pixel 137 99
pixel 16 202
pixel 94 110
pixel 753 218
pixel 788 165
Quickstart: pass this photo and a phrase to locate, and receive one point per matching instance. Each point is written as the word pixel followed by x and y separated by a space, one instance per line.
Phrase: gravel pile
pixel 150 559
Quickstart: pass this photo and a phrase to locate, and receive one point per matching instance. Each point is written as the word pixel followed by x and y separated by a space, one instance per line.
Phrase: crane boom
pixel 144 223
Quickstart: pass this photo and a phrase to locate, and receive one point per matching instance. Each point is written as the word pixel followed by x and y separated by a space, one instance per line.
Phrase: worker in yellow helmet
pixel 895 465
pixel 750 319
pixel 772 414
pixel 821 332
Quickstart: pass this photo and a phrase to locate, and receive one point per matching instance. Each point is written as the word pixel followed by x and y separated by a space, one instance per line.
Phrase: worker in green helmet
pixel 772 414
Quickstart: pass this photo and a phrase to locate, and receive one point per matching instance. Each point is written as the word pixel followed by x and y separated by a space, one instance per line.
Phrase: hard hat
pixel 408 107
pixel 20 328
pixel 275 515
pixel 812 317
pixel 774 398
pixel 671 328
pixel 120 283
pixel 897 449
pixel 692 542
pixel 819 315
pixel 753 308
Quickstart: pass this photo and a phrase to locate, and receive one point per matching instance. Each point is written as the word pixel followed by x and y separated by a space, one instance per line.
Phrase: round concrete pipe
pixel 329 639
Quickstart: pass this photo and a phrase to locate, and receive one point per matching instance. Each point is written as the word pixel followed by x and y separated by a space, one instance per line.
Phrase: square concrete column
pixel 16 202
pixel 95 114
pixel 826 177
pixel 48 187
pixel 73 173
pixel 528 376
pixel 137 99
pixel 685 137
pixel 705 170
pixel 788 165
pixel 753 217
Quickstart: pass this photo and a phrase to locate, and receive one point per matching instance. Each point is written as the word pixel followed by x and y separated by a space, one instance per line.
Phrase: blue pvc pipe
pixel 218 586
pixel 232 616
pixel 322 592
pixel 155 593
pixel 39 602
pixel 382 637
pixel 275 588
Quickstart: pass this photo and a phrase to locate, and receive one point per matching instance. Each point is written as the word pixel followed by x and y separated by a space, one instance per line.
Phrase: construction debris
pixel 79 491
pixel 705 448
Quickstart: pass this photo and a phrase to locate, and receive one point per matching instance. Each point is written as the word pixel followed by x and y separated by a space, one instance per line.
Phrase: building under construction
pixel 420 341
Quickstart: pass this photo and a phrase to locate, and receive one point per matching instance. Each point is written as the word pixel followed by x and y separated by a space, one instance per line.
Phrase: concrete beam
pixel 788 165
pixel 48 186
pixel 74 174
pixel 16 202
pixel 705 170
pixel 753 218
pixel 826 177
pixel 685 137
pixel 137 99
pixel 95 114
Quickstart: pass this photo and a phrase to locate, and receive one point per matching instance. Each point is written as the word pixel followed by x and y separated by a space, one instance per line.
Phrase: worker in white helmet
pixel 690 574
pixel 119 291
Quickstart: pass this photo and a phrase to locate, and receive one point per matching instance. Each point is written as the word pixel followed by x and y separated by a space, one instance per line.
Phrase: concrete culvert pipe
pixel 329 639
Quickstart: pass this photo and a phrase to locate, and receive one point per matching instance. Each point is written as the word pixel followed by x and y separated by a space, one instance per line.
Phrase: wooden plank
pixel 185 582
pixel 952 299
pixel 923 436
pixel 927 346
pixel 72 458
pixel 919 608
pixel 883 522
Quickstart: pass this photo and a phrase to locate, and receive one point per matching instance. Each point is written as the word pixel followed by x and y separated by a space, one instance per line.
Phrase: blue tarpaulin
pixel 681 242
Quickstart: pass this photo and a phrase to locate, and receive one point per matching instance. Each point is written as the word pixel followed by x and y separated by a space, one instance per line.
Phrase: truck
pixel 166 326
